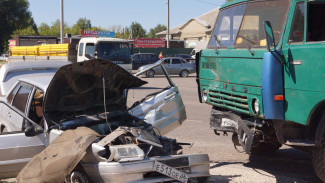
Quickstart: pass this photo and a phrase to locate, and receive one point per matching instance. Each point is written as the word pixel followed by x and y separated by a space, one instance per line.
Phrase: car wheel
pixel 184 73
pixel 150 74
pixel 78 175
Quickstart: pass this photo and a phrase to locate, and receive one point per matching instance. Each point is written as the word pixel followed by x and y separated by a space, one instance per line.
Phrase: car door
pixel 164 110
pixel 176 66
pixel 15 148
pixel 167 65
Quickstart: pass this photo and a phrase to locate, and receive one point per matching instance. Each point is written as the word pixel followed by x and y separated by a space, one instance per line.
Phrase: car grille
pixel 229 100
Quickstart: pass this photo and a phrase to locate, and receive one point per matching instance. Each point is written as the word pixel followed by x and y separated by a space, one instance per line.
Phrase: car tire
pixel 184 73
pixel 318 156
pixel 150 74
pixel 78 175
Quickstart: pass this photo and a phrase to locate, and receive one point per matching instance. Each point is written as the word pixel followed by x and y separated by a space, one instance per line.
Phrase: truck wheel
pixel 150 74
pixel 318 158
pixel 184 73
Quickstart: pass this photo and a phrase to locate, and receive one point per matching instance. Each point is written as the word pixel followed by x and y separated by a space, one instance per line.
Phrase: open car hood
pixel 78 89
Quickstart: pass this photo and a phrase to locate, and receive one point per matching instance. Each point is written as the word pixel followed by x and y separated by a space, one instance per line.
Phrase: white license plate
pixel 170 172
pixel 228 122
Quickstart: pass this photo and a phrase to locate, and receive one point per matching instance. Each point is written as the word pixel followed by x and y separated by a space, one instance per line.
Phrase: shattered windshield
pixel 243 25
pixel 119 53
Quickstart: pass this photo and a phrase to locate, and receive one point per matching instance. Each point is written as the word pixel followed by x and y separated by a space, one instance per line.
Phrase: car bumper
pixel 195 165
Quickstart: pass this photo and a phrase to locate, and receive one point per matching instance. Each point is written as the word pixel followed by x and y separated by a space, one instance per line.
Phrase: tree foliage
pixel 14 15
pixel 159 28
pixel 136 30
pixel 82 24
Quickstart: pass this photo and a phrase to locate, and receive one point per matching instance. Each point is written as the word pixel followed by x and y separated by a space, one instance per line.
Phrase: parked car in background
pixel 141 59
pixel 186 57
pixel 73 125
pixel 4 57
pixel 173 65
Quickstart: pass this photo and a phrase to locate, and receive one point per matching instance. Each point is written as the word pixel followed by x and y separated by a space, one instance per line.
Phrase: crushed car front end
pixel 91 96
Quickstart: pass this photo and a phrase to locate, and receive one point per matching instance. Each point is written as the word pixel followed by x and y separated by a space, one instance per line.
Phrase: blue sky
pixel 106 13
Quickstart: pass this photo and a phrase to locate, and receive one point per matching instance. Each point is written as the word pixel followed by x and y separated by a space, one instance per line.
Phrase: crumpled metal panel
pixel 59 158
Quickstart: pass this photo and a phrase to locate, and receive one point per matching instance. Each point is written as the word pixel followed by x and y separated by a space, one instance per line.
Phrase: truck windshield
pixel 242 25
pixel 119 53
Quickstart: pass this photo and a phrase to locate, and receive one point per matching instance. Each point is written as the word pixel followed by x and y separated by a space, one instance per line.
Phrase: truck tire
pixel 318 158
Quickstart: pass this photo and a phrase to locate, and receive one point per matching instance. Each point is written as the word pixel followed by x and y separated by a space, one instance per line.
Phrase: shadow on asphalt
pixel 283 163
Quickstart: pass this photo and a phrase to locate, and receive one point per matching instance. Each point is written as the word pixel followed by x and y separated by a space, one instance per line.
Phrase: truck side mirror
pixel 269 36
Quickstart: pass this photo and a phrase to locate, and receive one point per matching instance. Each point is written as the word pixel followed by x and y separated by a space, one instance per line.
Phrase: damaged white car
pixel 73 125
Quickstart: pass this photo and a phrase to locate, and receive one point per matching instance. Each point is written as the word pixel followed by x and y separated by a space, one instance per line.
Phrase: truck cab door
pixel 303 49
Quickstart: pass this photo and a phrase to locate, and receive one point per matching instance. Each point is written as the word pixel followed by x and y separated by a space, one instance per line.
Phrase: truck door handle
pixel 170 95
pixel 9 114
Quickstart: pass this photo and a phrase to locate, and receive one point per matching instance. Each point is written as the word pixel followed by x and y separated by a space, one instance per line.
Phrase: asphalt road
pixel 227 164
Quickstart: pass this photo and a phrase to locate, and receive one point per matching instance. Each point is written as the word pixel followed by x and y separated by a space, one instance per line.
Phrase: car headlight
pixel 125 152
pixel 204 95
pixel 256 107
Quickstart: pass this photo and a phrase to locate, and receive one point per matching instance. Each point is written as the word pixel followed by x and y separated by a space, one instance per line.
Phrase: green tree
pixel 82 24
pixel 137 31
pixel 30 30
pixel 14 15
pixel 159 28
pixel 55 29
pixel 44 29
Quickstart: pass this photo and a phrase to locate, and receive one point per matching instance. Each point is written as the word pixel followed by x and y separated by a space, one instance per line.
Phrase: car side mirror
pixel 269 36
pixel 33 130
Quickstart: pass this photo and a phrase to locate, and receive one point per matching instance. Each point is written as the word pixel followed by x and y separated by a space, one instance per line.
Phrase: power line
pixel 208 2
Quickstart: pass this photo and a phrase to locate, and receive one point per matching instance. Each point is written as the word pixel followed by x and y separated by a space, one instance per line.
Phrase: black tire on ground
pixel 150 74
pixel 318 157
pixel 184 73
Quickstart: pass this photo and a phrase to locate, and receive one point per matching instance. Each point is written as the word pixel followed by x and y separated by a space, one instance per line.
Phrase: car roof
pixel 39 80
pixel 12 72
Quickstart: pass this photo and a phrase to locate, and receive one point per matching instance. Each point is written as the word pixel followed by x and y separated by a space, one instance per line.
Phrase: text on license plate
pixel 228 122
pixel 170 172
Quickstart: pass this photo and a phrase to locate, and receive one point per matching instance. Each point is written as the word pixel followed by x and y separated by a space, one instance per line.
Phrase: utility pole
pixel 61 26
pixel 167 23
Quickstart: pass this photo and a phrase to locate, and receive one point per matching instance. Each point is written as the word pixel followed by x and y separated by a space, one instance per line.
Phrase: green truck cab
pixel 262 72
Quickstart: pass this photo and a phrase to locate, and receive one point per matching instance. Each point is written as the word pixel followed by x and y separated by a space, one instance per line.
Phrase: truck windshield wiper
pixel 250 41
pixel 218 43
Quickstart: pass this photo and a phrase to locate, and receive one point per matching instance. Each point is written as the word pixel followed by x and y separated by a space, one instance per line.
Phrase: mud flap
pixel 245 136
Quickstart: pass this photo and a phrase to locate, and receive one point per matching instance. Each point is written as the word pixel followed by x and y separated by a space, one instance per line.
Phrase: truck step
pixel 297 142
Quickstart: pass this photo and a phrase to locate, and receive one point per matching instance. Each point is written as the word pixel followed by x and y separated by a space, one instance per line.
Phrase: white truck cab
pixel 115 50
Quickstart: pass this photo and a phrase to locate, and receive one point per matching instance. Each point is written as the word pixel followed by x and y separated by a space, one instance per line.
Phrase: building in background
pixel 195 32
pixel 32 40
